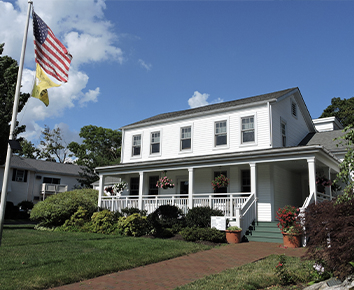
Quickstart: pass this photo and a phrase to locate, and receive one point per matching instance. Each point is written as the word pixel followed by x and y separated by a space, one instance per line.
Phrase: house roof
pixel 44 166
pixel 326 139
pixel 214 107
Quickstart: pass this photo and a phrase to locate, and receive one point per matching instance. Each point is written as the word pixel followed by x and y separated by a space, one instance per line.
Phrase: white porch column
pixel 100 190
pixel 329 187
pixel 190 187
pixel 312 177
pixel 141 188
pixel 253 179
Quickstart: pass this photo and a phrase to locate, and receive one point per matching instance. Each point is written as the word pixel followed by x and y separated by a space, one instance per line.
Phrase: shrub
pixel 200 217
pixel 134 225
pixel 330 232
pixel 130 210
pixel 102 222
pixel 56 209
pixel 166 216
pixel 203 234
pixel 76 221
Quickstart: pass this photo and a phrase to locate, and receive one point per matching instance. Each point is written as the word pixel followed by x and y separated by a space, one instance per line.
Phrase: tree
pixel 342 109
pixel 29 150
pixel 8 80
pixel 100 147
pixel 53 144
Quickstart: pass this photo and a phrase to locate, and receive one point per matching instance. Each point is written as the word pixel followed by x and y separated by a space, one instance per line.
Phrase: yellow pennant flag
pixel 41 84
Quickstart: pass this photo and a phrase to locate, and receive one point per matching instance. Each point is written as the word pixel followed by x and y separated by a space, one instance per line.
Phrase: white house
pixel 33 180
pixel 267 145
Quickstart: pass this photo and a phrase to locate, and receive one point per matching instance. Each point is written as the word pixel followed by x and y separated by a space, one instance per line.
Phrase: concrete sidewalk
pixel 183 270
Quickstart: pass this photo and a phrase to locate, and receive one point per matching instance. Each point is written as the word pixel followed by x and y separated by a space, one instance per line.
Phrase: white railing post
pixel 238 217
pixel 100 190
pixel 190 187
pixel 231 206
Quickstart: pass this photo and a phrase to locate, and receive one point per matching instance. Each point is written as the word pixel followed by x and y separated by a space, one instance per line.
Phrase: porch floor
pixel 183 270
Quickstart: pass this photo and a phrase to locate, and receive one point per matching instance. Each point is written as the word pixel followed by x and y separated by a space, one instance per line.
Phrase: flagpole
pixel 13 124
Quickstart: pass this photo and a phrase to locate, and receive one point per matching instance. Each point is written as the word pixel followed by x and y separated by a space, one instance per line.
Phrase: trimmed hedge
pixel 200 217
pixel 56 209
pixel 203 234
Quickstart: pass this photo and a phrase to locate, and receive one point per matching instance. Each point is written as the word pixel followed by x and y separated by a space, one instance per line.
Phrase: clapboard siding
pixel 202 135
pixel 296 127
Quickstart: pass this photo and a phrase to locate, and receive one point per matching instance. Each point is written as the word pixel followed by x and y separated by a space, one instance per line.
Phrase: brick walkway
pixel 179 271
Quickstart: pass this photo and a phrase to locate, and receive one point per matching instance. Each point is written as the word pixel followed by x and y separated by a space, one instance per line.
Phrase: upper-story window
pixel 186 138
pixel 283 133
pixel 19 175
pixel 293 109
pixel 155 142
pixel 136 145
pixel 247 131
pixel 220 133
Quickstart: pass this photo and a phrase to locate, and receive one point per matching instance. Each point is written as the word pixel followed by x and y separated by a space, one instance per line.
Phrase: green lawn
pixel 31 259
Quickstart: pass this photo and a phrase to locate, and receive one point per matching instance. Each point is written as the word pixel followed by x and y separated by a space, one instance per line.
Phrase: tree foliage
pixel 53 144
pixel 8 80
pixel 29 150
pixel 342 109
pixel 100 147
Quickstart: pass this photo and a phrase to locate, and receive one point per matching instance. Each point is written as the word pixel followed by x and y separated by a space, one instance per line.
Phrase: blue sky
pixel 136 59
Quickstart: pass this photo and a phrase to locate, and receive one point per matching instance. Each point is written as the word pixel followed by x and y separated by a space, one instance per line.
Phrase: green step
pixel 265 232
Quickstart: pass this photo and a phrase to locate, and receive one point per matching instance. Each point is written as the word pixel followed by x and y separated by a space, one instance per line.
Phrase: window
pixel 186 138
pixel 220 133
pixel 153 190
pixel 245 180
pixel 19 175
pixel 283 133
pixel 155 142
pixel 247 131
pixel 293 109
pixel 134 186
pixel 51 180
pixel 136 145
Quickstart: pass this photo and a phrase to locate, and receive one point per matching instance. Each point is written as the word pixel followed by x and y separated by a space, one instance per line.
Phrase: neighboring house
pixel 33 180
pixel 267 145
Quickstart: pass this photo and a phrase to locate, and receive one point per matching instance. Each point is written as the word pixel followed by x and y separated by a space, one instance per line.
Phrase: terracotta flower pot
pixel 292 241
pixel 233 237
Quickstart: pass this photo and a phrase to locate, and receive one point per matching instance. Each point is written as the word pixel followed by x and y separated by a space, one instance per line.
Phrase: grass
pixel 31 259
pixel 258 275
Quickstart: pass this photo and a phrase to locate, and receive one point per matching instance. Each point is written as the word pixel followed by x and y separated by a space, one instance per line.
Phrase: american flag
pixel 50 53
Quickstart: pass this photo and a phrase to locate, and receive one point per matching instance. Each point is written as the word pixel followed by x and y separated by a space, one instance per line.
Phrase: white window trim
pixel 141 146
pixel 255 142
pixel 227 145
pixel 282 121
pixel 180 139
pixel 157 153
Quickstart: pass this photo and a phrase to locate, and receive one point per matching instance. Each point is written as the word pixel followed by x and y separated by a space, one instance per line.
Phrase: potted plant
pixel 165 183
pixel 220 181
pixel 233 235
pixel 322 182
pixel 290 226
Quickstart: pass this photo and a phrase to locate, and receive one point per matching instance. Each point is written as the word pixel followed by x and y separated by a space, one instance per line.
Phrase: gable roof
pixel 215 107
pixel 44 166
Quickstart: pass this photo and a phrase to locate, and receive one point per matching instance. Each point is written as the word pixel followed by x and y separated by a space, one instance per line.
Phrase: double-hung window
pixel 136 148
pixel 186 138
pixel 19 175
pixel 247 131
pixel 155 143
pixel 220 133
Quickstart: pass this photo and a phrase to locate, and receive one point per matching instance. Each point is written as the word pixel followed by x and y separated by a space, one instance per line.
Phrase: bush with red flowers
pixel 289 221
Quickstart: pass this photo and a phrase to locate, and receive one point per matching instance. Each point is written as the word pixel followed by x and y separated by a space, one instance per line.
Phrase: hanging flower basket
pixel 165 182
pixel 322 182
pixel 116 189
pixel 220 181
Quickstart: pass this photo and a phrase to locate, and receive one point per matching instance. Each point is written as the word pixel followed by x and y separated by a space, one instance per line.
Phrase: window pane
pixel 248 136
pixel 221 140
pixel 155 148
pixel 186 144
pixel 136 150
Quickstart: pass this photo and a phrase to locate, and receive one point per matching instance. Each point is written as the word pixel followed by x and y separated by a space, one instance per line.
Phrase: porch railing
pixel 248 213
pixel 227 203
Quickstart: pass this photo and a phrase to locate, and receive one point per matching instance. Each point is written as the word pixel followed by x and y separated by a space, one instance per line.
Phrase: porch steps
pixel 265 232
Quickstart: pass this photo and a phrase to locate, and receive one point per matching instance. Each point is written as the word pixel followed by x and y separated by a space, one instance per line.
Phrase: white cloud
pixel 198 100
pixel 145 65
pixel 90 96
